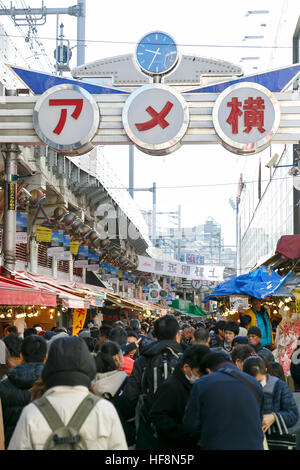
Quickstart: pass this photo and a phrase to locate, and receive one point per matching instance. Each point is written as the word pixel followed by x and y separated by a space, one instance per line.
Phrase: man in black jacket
pixel 171 397
pixel 140 389
pixel 14 390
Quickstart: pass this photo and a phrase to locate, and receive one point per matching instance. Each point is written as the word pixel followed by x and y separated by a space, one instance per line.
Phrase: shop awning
pixel 135 304
pixel 68 298
pixel 15 292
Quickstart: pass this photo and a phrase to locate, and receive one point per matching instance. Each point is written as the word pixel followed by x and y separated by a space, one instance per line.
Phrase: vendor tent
pixel 260 283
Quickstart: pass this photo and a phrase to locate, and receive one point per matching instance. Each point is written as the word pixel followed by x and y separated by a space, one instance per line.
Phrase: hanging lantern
pixel 37 197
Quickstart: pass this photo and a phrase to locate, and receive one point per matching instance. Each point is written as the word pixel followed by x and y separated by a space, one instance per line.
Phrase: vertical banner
pixel 79 316
pixel 21 227
pixel 11 196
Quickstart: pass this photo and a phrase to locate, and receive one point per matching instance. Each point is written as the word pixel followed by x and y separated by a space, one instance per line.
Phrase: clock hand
pixel 153 52
pixel 154 57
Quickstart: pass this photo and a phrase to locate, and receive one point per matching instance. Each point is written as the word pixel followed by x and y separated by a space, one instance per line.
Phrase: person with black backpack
pixel 155 364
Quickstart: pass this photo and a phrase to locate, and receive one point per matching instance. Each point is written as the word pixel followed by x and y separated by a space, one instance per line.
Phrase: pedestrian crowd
pixel 171 384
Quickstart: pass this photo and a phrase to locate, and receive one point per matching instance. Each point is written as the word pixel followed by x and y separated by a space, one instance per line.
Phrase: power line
pixel 105 41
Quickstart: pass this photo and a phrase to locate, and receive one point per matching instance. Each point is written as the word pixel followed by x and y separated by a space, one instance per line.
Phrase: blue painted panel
pixel 274 80
pixel 39 82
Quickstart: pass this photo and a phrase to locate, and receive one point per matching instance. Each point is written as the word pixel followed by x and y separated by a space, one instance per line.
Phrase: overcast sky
pixel 196 26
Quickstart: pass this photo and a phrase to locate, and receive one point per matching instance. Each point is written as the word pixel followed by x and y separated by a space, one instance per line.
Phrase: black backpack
pixel 156 371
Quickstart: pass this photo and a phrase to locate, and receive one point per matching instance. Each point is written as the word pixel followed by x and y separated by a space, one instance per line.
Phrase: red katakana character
pixel 254 114
pixel 234 114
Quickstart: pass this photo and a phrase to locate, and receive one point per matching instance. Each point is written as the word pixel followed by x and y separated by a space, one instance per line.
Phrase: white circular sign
pixel 246 117
pixel 155 118
pixel 66 118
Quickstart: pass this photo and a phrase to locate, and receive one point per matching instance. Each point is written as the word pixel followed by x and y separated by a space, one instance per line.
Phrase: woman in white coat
pixel 67 376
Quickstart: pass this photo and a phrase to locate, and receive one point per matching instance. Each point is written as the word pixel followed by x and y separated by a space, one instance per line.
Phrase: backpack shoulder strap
pixel 83 411
pixel 243 379
pixel 49 413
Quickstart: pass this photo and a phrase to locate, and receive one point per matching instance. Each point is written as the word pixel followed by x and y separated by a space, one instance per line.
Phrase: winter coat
pixel 168 410
pixel 278 398
pixel 133 390
pixel 102 429
pixel 265 352
pixel 224 413
pixel 14 394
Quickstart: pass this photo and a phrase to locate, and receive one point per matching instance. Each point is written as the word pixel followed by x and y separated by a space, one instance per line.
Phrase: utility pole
pixel 37 17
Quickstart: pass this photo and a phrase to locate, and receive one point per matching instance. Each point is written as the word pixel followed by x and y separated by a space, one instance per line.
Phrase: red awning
pixel 289 246
pixel 14 292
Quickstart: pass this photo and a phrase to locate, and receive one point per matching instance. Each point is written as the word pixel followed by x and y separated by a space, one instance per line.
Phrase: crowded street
pixel 150 229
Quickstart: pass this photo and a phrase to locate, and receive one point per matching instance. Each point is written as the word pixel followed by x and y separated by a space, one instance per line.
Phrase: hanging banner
pixel 178 269
pixel 82 257
pixel 43 234
pixel 21 227
pixel 74 247
pixel 94 259
pixel 79 316
pixel 57 243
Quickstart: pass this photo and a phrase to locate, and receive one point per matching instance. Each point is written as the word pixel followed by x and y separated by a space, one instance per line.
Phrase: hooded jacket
pixel 15 395
pixel 133 390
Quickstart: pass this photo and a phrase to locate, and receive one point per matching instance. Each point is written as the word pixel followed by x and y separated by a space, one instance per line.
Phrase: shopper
pixel 67 377
pixel 14 390
pixel 217 334
pixel 240 353
pixel 171 397
pixel 201 336
pixel 187 334
pixel 152 367
pixel 231 330
pixel 224 410
pixel 254 338
pixel 278 398
pixel 14 346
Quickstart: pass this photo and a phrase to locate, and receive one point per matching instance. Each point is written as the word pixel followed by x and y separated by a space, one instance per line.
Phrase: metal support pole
pixel 154 213
pixel 131 171
pixel 11 152
pixel 81 32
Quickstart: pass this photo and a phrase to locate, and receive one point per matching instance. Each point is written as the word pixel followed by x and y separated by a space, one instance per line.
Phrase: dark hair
pixel 254 365
pixel 34 348
pixel 277 370
pixel 220 325
pixel 201 334
pixel 90 342
pixel 166 327
pixel 193 355
pixel 104 330
pixel 242 351
pixel 212 360
pixel 131 332
pixel 12 329
pixel 13 344
pixel 29 331
pixel 118 335
pixel 94 331
pixel 145 327
pixel 185 326
pixel 104 359
pixel 232 326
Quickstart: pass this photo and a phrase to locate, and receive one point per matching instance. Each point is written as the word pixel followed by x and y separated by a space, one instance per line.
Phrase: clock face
pixel 156 53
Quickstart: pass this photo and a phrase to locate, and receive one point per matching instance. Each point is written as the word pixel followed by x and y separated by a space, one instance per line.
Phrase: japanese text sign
pixel 79 315
pixel 66 118
pixel 246 117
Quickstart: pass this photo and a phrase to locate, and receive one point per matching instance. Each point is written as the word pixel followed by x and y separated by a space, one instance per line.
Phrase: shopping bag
pixel 278 437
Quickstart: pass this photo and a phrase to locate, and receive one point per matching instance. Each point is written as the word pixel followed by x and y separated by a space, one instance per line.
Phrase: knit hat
pixel 69 363
pixel 254 330
pixel 240 340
